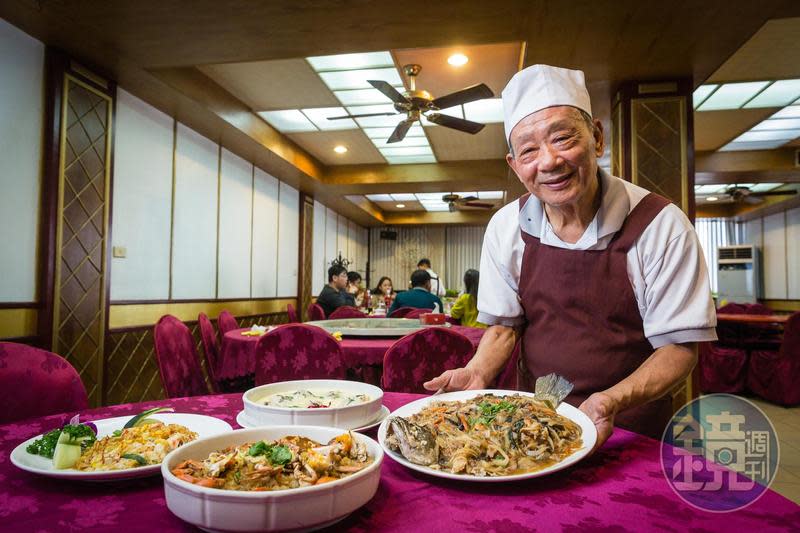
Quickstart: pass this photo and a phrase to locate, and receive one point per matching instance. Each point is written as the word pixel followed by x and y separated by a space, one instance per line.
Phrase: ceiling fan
pixel 745 195
pixel 454 201
pixel 415 103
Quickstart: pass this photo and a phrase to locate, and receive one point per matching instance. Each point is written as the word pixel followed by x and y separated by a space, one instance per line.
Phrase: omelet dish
pixel 133 447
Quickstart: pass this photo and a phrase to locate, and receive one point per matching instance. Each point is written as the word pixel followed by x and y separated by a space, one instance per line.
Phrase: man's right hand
pixel 455 380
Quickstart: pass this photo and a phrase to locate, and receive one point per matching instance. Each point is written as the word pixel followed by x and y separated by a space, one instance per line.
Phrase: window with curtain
pixel 713 233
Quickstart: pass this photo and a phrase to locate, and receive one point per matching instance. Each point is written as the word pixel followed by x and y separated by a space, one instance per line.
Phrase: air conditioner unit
pixel 739 275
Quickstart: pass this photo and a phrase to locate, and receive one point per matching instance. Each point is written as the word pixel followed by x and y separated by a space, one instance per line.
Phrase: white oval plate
pixel 246 423
pixel 204 426
pixel 589 436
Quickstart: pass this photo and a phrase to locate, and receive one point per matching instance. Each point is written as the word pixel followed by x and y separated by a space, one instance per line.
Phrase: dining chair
pixel 290 310
pixel 298 351
pixel 401 312
pixel 226 322
pixel 346 311
pixel 421 356
pixel 35 382
pixel 416 313
pixel 509 376
pixel 722 368
pixel 178 362
pixel 774 374
pixel 315 312
pixel 210 347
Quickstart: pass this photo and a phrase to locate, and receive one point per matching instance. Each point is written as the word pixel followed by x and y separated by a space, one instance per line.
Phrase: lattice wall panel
pixel 80 305
pixel 659 139
pixel 131 369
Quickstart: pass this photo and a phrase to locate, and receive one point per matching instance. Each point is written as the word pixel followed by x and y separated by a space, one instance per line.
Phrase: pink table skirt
pixel 621 487
pixel 363 356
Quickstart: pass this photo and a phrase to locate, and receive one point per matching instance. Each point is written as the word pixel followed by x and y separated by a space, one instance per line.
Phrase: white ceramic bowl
pixel 350 417
pixel 285 510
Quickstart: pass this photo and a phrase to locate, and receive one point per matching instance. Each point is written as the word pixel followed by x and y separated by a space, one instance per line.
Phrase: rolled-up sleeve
pixel 678 304
pixel 498 297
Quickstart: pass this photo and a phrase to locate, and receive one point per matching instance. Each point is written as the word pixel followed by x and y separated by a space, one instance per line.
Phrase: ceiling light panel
pixel 404 197
pixel 357 79
pixel 385 133
pixel 430 196
pixel 288 121
pixel 765 187
pixel 792 111
pixel 780 93
pixel 407 141
pixel 709 189
pixel 406 150
pixel 319 116
pixel 379 197
pixel 490 195
pixel 762 145
pixel 486 111
pixel 409 160
pixel 363 96
pixel 769 135
pixel 351 61
pixel 465 194
pixel 702 92
pixel 732 95
pixel 777 124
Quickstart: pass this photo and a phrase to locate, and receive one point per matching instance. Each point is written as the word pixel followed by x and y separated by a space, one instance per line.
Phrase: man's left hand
pixel 600 408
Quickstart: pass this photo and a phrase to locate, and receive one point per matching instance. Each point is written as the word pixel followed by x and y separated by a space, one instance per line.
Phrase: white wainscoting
pixel 235 221
pixel 318 268
pixel 21 126
pixel 194 240
pixel 142 200
pixel 265 235
pixel 793 253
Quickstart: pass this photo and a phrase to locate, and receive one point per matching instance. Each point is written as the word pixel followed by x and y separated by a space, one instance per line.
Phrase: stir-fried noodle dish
pixel 286 463
pixel 485 436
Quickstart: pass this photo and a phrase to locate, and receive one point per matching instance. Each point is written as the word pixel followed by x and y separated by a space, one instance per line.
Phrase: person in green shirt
pixel 466 307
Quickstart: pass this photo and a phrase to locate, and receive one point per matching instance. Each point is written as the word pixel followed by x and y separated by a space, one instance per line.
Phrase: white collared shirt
pixel 437 283
pixel 666 266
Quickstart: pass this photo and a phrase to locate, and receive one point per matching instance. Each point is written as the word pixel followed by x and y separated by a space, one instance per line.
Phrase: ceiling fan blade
pixel 364 115
pixel 468 199
pixel 773 193
pixel 400 131
pixel 482 205
pixel 752 200
pixel 456 123
pixel 470 94
pixel 387 89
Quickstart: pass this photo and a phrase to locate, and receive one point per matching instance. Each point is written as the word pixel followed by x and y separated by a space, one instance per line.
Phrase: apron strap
pixel 637 220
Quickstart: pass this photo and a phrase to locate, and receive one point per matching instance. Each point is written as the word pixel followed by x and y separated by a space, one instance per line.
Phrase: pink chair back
pixel 226 322
pixel 346 311
pixel 416 313
pixel 401 312
pixel 293 319
pixel 36 382
pixel 733 309
pixel 722 368
pixel 774 375
pixel 210 346
pixel 298 351
pixel 316 312
pixel 421 356
pixel 177 359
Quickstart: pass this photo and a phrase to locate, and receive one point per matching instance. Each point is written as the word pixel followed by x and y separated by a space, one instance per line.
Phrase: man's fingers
pixel 438 382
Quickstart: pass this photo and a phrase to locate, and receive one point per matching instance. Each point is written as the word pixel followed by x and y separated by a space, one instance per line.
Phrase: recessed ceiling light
pixel 458 60
pixel 712 199
pixel 340 149
pixel 400 206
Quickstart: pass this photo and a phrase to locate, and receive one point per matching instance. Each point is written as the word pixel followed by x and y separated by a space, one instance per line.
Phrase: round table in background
pixel 363 356
pixel 621 487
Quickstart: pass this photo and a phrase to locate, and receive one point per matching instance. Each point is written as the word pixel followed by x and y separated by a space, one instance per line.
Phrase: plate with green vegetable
pixel 113 448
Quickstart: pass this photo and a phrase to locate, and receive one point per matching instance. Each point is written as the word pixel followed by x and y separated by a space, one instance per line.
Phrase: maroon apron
pixel 583 321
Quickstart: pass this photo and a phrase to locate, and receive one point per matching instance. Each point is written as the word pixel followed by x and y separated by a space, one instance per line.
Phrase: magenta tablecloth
pixel 621 487
pixel 238 359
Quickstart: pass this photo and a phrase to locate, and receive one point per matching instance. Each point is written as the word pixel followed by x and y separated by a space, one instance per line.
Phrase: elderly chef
pixel 604 281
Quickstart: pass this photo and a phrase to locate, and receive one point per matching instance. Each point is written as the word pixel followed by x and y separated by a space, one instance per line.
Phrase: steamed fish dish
pixel 485 436
pixel 133 447
pixel 287 463
pixel 306 398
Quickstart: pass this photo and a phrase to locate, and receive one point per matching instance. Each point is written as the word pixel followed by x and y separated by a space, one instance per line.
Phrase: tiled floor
pixel 787 425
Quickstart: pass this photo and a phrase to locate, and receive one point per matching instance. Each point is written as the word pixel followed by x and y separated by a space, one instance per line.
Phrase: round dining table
pixel 620 487
pixel 363 356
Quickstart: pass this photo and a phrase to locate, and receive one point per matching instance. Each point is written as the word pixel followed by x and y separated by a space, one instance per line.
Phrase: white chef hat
pixel 540 86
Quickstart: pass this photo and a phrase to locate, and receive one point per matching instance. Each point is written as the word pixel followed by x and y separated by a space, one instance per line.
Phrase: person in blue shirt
pixel 420 294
